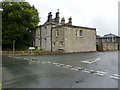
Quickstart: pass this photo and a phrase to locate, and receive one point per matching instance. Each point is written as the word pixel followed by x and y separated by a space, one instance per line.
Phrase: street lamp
pixel 13 47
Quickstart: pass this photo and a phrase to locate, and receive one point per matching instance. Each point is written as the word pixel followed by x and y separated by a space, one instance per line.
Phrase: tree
pixel 18 22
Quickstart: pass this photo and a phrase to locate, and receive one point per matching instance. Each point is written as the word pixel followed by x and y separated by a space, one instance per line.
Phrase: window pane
pixel 80 32
pixel 61 43
pixel 57 33
pixel 44 43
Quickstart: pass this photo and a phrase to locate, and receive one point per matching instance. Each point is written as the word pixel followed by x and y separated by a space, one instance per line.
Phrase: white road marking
pixel 86 71
pixel 43 62
pixel 61 64
pixel 90 61
pixel 48 62
pixel 101 72
pixel 91 70
pixel 96 60
pixel 114 77
pixel 64 67
pixel 86 62
pixel 74 69
pixel 68 65
pixel 25 58
pixel 55 63
pixel 33 61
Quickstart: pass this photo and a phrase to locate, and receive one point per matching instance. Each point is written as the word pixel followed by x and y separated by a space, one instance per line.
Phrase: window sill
pixel 79 36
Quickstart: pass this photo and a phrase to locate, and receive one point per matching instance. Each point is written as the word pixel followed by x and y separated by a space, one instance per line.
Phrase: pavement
pixel 78 70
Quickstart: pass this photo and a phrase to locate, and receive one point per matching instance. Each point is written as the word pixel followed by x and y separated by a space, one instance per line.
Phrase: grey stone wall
pixel 57 39
pixel 64 38
pixel 46 34
pixel 84 43
pixel 43 38
pixel 109 46
pixel 37 38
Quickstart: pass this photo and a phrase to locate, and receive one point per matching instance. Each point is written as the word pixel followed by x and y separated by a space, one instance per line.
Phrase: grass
pixel 30 51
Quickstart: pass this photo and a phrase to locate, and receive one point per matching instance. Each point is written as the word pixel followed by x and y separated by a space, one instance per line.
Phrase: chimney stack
pixel 70 21
pixel 57 16
pixel 63 20
pixel 49 16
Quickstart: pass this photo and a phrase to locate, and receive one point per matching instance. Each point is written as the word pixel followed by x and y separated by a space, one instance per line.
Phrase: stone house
pixel 108 42
pixel 54 35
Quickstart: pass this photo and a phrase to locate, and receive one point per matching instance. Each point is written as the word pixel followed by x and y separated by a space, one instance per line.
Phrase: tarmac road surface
pixel 78 70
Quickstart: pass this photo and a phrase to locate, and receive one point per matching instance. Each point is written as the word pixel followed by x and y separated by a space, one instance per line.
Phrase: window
pixel 61 43
pixel 113 39
pixel 104 40
pixel 53 44
pixel 57 33
pixel 77 32
pixel 45 30
pixel 108 40
pixel 44 42
pixel 80 33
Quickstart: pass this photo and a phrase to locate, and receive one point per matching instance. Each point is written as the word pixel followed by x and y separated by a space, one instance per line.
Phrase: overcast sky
pixel 99 14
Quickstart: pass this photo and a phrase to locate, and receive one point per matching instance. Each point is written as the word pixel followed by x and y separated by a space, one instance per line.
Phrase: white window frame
pixel 61 43
pixel 108 40
pixel 57 33
pixel 113 39
pixel 77 33
pixel 44 42
pixel 53 44
pixel 81 33
pixel 45 30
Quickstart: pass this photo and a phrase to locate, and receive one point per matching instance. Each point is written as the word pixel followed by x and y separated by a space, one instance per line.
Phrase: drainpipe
pixel 40 39
pixel 51 37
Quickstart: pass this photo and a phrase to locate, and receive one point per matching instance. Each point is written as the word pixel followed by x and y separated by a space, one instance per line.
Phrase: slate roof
pixel 109 35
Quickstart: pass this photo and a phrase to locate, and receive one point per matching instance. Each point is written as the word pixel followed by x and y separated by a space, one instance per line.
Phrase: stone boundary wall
pixel 108 46
pixel 22 53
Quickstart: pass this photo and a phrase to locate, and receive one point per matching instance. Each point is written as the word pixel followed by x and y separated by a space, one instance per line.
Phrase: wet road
pixel 79 70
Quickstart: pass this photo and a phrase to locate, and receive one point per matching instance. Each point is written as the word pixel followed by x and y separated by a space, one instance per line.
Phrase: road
pixel 78 70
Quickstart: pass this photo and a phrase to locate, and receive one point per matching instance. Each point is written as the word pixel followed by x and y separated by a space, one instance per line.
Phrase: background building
pixel 108 42
pixel 60 36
